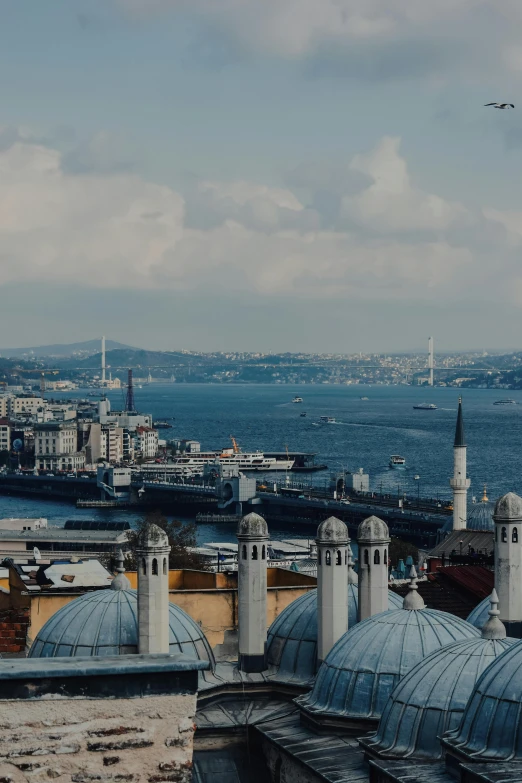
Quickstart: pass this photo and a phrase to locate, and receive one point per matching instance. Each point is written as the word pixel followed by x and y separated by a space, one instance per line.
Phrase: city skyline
pixel 251 175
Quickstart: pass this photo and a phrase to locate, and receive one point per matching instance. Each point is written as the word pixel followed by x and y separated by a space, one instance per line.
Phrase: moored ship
pixel 425 406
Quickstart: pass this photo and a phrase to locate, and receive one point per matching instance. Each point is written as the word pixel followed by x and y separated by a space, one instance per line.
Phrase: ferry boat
pixel 327 419
pixel 297 399
pixel 162 424
pixel 234 457
pixel 396 461
pixel 425 406
pixel 505 402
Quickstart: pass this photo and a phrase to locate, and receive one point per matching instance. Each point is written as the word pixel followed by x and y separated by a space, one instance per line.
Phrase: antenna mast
pixel 129 401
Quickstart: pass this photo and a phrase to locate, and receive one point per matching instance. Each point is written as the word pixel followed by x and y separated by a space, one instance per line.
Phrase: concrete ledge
pixel 119 676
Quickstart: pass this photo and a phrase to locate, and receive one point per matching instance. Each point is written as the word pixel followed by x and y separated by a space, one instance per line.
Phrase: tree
pixel 400 550
pixel 181 536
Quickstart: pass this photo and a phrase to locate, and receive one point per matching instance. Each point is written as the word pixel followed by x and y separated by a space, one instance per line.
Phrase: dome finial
pixel 494 628
pixel 484 494
pixel 353 579
pixel 120 581
pixel 412 600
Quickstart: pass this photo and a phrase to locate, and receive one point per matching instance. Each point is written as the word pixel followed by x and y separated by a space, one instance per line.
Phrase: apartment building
pixel 56 447
pixel 146 442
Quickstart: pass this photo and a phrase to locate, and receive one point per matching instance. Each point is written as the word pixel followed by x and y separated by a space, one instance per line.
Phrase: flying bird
pixel 501 105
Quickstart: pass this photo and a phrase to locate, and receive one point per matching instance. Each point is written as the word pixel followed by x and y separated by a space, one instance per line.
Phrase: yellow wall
pixel 209 598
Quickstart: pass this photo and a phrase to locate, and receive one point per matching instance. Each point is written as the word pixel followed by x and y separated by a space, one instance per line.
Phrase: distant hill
pixel 87 348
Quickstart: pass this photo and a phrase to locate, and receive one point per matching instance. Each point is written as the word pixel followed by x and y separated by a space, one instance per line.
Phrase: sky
pixel 278 175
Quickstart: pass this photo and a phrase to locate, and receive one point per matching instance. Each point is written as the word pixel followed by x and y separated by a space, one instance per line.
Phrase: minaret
pixel 459 483
pixel 152 554
pixel 252 536
pixel 373 538
pixel 430 360
pixel 508 561
pixel 332 584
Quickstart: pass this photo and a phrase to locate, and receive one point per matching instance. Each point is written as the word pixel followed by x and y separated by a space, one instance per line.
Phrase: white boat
pixel 425 406
pixel 505 402
pixel 297 399
pixel 396 461
pixel 327 419
pixel 234 457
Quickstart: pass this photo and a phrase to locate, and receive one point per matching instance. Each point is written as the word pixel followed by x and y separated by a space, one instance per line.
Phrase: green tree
pixel 181 536
pixel 400 550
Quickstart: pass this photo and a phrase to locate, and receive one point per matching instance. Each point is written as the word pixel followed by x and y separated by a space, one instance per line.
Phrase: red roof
pixel 477 580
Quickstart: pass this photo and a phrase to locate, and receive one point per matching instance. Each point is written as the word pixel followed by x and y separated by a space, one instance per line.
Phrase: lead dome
pixel 253 526
pixel 292 637
pixel 491 728
pixel 432 697
pixel 359 674
pixel 105 622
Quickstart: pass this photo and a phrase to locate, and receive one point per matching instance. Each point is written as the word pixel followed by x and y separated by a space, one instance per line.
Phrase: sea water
pixel 365 434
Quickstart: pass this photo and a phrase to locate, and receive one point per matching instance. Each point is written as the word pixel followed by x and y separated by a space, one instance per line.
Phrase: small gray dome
pixel 332 531
pixel 509 507
pixel 252 525
pixel 105 622
pixel 491 727
pixel 431 699
pixel 292 637
pixel 480 516
pixel 361 670
pixel 480 614
pixel 373 529
pixel 152 537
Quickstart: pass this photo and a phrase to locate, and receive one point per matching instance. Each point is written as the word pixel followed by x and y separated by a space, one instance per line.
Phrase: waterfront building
pixel 5 435
pixel 146 442
pixel 56 447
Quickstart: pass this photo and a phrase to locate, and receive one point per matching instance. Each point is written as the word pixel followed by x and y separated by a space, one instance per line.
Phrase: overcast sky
pixel 261 174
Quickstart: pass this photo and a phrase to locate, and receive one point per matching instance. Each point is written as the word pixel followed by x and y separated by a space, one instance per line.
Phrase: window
pixel 346 557
pixel 318 557
pixel 164 565
pixel 144 567
pixel 154 567
pixel 385 559
pixel 504 534
pixel 244 552
pixel 328 558
pixel 263 553
pixel 514 536
pixel 254 552
pixel 339 558
pixel 366 558
pixel 376 557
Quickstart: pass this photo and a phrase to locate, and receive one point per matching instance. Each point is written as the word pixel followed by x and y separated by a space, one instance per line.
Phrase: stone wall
pixel 13 630
pixel 82 740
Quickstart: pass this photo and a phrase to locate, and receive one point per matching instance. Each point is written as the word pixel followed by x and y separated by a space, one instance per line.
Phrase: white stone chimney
pixel 332 584
pixel 373 538
pixel 252 536
pixel 152 557
pixel 508 561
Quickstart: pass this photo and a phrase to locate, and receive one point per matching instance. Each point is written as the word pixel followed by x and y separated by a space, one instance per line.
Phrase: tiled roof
pixel 480 541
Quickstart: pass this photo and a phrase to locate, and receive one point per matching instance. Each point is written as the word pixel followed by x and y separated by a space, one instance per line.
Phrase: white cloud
pixel 392 240
pixel 392 203
pixel 300 28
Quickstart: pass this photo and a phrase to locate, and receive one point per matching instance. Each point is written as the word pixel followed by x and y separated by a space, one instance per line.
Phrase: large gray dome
pixel 431 699
pixel 509 507
pixel 292 637
pixel 373 530
pixel 360 672
pixel 333 531
pixel 105 622
pixel 491 728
